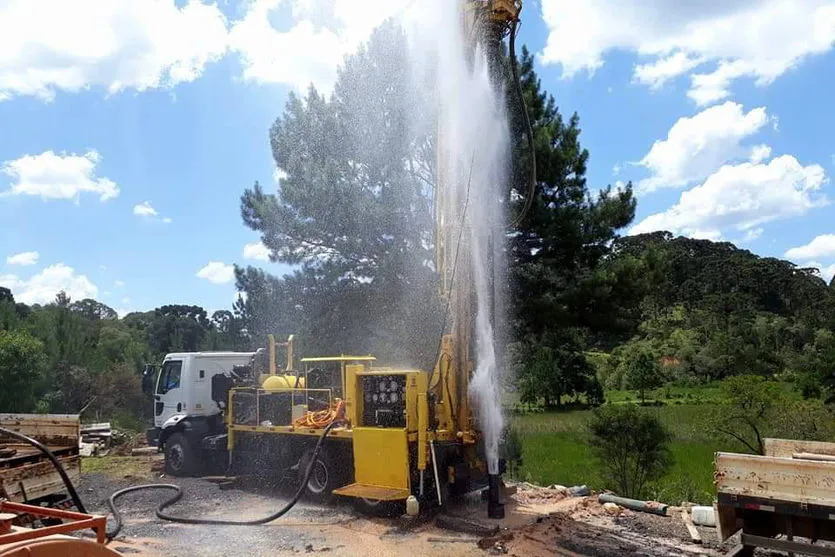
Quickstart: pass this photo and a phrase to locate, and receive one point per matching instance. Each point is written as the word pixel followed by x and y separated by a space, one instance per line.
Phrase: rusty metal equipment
pixel 50 541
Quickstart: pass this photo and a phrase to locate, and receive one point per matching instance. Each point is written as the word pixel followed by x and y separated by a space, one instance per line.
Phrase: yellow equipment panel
pixel 381 464
pixel 381 457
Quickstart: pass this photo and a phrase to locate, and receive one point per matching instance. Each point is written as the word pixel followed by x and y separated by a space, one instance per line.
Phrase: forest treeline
pixel 70 356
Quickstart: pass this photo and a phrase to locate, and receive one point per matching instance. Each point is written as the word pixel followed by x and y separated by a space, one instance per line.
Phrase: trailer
pixel 26 474
pixel 788 493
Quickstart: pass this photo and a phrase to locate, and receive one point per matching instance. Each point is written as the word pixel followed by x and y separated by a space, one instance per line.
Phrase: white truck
pixel 185 415
pixel 788 493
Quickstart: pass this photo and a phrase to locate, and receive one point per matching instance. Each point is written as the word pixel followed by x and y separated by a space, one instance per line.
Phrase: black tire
pixel 324 478
pixel 180 458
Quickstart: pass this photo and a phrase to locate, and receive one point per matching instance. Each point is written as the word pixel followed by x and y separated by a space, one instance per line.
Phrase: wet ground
pixel 538 523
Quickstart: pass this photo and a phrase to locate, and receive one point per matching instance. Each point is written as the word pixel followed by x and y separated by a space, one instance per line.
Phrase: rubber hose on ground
pixel 55 462
pixel 117 517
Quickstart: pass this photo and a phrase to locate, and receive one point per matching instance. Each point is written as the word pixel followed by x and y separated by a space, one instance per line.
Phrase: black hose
pixel 117 517
pixel 55 462
pixel 528 128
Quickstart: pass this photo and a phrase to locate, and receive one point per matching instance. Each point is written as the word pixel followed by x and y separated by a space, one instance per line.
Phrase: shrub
pixel 632 447
pixel 511 451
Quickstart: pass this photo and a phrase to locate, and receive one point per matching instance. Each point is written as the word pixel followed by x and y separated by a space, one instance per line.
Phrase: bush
pixel 511 450
pixel 632 447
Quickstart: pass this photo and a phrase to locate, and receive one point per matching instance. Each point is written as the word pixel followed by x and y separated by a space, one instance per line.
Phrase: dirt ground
pixel 539 522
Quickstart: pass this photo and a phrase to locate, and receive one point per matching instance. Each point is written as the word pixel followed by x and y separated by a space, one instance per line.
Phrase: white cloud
pixel 257 251
pixel 217 272
pixel 742 197
pixel 826 271
pixel 820 247
pixel 25 258
pixel 656 74
pixel 759 153
pixel 313 45
pixel 144 209
pixel 752 234
pixel 121 312
pixel 698 145
pixel 58 176
pixel 42 287
pixel 759 39
pixel 48 46
pixel 119 283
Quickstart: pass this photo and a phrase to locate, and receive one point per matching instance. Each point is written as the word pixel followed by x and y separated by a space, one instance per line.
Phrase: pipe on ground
pixel 652 507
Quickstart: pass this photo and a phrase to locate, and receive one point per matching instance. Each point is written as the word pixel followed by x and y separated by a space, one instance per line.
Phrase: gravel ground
pixel 295 533
pixel 565 527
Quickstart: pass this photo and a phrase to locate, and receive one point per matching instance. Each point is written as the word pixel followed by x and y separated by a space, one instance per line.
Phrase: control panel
pixel 384 400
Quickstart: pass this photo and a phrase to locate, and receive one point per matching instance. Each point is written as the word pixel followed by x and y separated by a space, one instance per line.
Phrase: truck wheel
pixel 179 456
pixel 324 478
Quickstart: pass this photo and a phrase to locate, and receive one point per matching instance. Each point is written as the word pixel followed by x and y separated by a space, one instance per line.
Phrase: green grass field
pixel 555 451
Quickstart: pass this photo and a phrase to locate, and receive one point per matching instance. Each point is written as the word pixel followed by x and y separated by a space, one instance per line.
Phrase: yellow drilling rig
pixel 396 433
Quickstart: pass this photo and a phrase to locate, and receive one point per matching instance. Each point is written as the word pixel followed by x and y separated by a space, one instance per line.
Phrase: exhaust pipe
pixel 495 508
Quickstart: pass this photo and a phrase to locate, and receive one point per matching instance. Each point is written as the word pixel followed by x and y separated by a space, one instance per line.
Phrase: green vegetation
pixel 556 449
pixel 631 447
pixel 118 467
pixel 73 356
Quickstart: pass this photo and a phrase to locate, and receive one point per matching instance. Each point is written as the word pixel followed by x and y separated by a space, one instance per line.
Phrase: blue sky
pixel 128 136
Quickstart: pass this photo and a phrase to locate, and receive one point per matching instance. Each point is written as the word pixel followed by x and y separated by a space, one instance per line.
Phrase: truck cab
pixel 184 412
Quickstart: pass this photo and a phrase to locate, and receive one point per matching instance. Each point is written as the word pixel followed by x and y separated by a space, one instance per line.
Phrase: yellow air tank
pixel 282 382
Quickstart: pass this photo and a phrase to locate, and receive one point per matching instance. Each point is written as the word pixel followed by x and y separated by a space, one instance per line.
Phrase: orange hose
pixel 322 418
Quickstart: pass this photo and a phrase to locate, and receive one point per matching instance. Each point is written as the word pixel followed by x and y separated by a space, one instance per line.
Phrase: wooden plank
pixel 50 429
pixel 32 481
pixel 27 454
pixel 813 456
pixel 695 537
pixel 95 427
pixel 785 448
pixel 726 521
pixel 785 479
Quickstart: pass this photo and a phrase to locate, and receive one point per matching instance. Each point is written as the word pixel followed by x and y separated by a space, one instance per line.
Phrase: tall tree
pixel 177 328
pixel 22 367
pixel 558 283
pixel 353 213
pixel 560 243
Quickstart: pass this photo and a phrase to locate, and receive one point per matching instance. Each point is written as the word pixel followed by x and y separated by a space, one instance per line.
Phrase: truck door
pixel 168 398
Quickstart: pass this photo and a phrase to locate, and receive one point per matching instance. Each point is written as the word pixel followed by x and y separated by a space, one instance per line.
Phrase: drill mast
pixel 485 23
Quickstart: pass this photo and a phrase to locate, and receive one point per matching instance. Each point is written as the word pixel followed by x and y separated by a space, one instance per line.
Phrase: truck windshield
pixel 169 378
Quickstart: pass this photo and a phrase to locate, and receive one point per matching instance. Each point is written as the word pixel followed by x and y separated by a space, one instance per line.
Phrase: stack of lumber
pixel 96 439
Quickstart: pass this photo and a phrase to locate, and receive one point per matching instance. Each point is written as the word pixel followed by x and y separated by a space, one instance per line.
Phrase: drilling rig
pixel 403 432
pixel 381 436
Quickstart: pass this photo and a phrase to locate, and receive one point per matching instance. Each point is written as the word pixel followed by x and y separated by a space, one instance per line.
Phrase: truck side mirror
pixel 149 378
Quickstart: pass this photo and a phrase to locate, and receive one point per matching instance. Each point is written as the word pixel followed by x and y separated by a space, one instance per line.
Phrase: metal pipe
pixel 495 508
pixel 421 484
pixel 643 506
pixel 435 468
